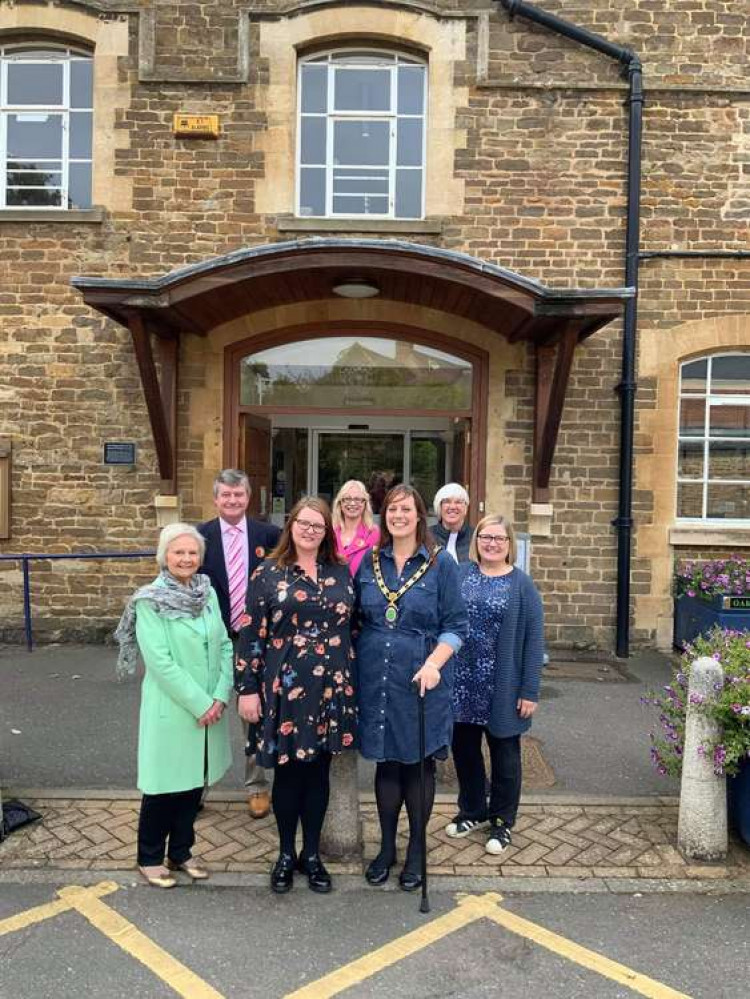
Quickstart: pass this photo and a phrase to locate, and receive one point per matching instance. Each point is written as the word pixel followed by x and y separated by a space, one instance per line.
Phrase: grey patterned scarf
pixel 170 599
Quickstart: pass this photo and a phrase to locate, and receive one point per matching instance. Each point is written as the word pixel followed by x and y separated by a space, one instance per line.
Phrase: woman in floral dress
pixel 293 677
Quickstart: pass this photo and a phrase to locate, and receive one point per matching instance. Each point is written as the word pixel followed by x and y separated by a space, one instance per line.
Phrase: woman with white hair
pixel 452 531
pixel 353 523
pixel 183 739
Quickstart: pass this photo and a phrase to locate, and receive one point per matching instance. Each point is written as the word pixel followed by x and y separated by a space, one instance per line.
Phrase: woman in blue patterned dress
pixel 411 620
pixel 496 683
pixel 293 675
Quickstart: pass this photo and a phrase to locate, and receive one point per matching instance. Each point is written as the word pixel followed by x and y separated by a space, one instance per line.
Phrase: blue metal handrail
pixel 26 558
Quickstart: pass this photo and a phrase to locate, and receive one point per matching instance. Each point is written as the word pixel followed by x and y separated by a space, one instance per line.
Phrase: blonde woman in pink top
pixel 353 523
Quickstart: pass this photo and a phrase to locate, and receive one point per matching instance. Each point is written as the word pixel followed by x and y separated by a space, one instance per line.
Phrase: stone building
pixel 396 240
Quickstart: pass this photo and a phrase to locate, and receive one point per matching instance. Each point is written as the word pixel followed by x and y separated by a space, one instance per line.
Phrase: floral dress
pixel 295 651
pixel 487 599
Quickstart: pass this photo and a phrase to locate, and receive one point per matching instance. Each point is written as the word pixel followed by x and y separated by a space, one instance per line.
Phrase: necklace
pixel 393 596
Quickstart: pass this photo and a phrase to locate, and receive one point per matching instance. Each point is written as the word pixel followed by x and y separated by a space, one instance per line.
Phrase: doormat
pixel 537 773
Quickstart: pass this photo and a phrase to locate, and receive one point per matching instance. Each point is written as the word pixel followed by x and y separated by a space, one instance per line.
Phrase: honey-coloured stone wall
pixel 526 168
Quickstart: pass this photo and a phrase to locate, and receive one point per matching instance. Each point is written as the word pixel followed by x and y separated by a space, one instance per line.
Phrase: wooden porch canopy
pixel 198 298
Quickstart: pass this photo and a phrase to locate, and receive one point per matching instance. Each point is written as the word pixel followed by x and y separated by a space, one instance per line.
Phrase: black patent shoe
pixel 409 881
pixel 378 871
pixel 318 878
pixel 282 875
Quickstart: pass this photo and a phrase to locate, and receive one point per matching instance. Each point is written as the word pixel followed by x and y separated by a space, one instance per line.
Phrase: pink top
pixel 362 541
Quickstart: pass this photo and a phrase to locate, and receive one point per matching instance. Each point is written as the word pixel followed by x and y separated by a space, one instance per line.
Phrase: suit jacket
pixel 188 666
pixel 261 539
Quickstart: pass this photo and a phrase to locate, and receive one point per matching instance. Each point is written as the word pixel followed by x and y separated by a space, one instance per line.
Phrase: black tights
pixel 300 792
pixel 396 784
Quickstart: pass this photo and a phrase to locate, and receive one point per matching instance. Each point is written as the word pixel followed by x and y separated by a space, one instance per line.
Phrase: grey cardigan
pixel 520 654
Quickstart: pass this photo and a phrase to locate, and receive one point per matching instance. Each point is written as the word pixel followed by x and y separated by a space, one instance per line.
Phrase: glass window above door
pixel 356 373
pixel 361 142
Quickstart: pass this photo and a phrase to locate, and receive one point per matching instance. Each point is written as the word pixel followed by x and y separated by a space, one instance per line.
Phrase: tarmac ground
pixel 122 940
pixel 66 722
pixel 593 900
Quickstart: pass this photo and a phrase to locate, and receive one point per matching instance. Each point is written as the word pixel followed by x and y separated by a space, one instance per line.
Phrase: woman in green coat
pixel 183 738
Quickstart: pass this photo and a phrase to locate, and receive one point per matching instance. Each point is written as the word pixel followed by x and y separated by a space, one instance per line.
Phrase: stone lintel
pixel 710 535
pixel 96 215
pixel 290 223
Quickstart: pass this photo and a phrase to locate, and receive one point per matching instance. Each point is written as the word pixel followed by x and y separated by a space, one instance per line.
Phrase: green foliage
pixel 730 705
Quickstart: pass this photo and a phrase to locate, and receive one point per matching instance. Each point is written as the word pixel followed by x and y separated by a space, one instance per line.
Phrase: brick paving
pixel 609 840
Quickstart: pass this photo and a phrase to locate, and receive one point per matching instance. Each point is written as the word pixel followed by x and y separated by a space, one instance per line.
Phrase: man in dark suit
pixel 235 546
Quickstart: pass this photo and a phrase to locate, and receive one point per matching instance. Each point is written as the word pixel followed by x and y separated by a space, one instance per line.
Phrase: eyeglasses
pixel 352 499
pixel 492 539
pixel 309 528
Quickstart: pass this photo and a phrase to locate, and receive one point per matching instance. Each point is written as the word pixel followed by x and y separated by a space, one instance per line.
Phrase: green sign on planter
pixel 736 603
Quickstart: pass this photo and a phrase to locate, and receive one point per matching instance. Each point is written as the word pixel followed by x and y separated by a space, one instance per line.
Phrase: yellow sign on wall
pixel 196 126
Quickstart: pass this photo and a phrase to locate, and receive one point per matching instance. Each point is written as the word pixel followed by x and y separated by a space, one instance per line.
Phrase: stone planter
pixel 694 616
pixel 738 801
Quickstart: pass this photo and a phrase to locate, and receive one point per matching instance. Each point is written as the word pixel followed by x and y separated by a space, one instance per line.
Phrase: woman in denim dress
pixel 411 619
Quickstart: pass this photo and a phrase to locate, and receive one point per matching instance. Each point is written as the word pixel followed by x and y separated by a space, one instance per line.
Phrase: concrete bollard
pixel 702 827
pixel 342 831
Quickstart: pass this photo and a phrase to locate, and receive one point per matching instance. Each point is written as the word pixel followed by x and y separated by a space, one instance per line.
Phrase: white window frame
pixel 711 401
pixel 391 61
pixel 64 55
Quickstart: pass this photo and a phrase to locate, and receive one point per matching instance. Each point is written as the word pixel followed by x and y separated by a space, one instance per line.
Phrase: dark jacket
pixel 261 539
pixel 441 535
pixel 519 655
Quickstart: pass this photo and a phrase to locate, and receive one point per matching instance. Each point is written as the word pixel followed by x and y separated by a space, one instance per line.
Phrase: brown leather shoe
pixel 259 804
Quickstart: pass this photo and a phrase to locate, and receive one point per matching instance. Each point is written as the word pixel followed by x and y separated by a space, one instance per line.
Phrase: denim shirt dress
pixel 388 655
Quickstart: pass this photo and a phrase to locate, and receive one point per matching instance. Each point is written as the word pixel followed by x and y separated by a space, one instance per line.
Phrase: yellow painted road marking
pixel 582 955
pixel 41 912
pixel 470 909
pixel 123 933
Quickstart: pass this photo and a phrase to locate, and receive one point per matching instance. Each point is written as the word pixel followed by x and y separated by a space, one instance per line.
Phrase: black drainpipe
pixel 626 389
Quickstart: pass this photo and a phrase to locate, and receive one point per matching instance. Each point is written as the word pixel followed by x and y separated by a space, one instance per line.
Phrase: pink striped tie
pixel 236 577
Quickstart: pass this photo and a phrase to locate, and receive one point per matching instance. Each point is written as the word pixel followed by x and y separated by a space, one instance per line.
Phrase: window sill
pixel 688 535
pixel 52 215
pixel 290 223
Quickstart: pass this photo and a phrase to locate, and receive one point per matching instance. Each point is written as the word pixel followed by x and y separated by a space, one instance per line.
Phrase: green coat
pixel 188 666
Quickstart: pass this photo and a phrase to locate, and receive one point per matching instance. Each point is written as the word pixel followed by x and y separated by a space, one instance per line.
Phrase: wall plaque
pixel 196 126
pixel 119 453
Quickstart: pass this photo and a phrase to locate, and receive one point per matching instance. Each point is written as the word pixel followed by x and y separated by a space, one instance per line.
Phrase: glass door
pixel 377 459
pixel 319 460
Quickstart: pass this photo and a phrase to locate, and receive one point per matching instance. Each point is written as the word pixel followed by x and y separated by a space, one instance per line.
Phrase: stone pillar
pixel 702 828
pixel 342 832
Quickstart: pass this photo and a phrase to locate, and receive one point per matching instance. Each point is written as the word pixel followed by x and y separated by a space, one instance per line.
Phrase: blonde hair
pixel 367 515
pixel 500 521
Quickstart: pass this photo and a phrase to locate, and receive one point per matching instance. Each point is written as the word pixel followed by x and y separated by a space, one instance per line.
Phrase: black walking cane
pixel 424 905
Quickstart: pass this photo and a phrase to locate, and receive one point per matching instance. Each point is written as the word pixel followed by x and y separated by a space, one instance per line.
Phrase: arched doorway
pixel 309 407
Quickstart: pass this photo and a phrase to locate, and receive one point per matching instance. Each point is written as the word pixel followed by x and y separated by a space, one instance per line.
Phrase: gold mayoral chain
pixel 393 596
